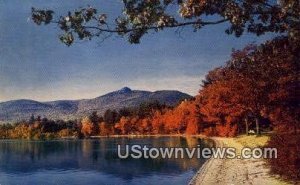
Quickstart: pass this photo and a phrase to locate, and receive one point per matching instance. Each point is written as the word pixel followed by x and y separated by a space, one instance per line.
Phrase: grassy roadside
pixel 259 141
pixel 253 140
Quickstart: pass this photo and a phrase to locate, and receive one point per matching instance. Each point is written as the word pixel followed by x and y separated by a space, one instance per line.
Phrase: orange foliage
pixel 257 84
pixel 87 127
pixel 105 130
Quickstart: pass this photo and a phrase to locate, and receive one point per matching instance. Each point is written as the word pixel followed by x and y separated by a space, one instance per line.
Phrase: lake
pixel 89 162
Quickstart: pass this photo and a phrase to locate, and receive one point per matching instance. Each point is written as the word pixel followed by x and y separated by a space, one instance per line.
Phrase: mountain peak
pixel 125 90
pixel 69 109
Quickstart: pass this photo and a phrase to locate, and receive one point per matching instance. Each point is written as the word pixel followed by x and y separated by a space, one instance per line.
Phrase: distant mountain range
pixel 17 110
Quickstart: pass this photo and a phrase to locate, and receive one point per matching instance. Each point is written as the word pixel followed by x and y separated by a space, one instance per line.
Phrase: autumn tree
pixel 194 120
pixel 271 70
pixel 145 126
pixel 279 74
pixel 125 125
pixel 105 129
pixel 218 111
pixel 259 80
pixel 5 130
pixel 158 126
pixel 111 117
pixel 87 127
pixel 96 120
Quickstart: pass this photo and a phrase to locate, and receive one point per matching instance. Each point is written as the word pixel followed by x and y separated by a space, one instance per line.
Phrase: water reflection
pixel 89 161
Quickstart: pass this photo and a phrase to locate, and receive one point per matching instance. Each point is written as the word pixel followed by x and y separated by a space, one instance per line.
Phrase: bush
pixel 288 162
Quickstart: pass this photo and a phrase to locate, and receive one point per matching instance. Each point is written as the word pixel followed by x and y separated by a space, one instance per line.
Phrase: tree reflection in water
pixel 96 156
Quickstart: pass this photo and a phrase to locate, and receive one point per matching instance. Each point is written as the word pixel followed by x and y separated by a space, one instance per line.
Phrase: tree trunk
pixel 247 125
pixel 257 126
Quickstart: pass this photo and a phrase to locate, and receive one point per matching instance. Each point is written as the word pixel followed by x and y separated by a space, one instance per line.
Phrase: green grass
pixel 253 140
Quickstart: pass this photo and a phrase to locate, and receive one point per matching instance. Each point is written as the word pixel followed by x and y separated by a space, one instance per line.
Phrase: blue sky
pixel 35 65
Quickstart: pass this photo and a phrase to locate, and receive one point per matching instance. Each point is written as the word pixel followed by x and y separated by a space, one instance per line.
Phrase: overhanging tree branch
pixel 140 16
pixel 202 23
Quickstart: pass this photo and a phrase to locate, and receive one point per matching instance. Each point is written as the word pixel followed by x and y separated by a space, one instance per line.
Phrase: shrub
pixel 288 162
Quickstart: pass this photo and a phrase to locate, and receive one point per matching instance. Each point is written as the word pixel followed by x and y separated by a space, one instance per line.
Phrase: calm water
pixel 92 162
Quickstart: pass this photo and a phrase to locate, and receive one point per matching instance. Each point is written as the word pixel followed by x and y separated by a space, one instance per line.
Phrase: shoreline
pixel 234 171
pixel 111 136
pixel 218 171
pixel 198 178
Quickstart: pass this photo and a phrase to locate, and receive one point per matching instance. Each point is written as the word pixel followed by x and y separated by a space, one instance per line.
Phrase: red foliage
pixel 257 83
pixel 287 163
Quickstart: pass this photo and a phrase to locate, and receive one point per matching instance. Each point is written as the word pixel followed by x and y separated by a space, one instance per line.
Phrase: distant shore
pixel 136 136
pixel 237 171
pixel 115 136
